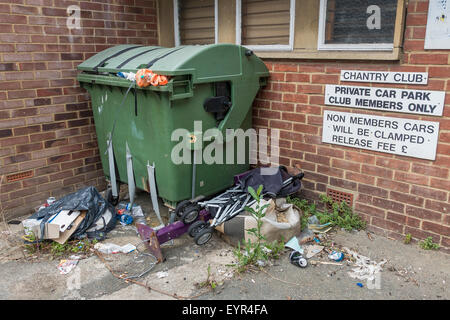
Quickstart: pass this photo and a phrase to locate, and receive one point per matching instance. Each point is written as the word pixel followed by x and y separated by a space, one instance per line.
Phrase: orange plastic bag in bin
pixel 143 77
pixel 158 80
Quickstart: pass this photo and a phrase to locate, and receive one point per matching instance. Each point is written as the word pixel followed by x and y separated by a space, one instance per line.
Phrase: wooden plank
pixel 227 21
pixel 197 23
pixel 206 12
pixel 195 3
pixel 165 25
pixel 265 6
pixel 267 19
pixel 306 25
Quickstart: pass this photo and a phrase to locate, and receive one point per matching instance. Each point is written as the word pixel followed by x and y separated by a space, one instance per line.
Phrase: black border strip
pixel 114 55
pixel 135 56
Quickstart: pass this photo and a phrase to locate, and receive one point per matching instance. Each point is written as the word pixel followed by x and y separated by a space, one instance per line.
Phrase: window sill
pixel 332 55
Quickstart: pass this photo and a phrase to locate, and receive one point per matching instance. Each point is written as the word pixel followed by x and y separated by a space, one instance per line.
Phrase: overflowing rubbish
pixel 78 215
pixel 306 236
pixel 146 77
pixel 65 266
pixel 336 256
pixel 232 202
pixel 130 76
pixel 313 250
pixel 124 219
pixel 111 248
pixel 297 259
pixel 366 269
pixel 294 245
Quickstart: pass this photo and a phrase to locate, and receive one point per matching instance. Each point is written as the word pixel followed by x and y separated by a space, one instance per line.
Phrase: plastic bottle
pixel 125 218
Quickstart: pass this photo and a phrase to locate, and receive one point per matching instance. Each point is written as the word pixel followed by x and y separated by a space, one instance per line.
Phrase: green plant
pixel 341 214
pixel 208 282
pixel 428 244
pixel 252 252
pixel 407 238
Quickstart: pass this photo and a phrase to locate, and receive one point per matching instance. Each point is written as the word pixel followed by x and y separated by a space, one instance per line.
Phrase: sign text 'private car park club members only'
pixel 401 136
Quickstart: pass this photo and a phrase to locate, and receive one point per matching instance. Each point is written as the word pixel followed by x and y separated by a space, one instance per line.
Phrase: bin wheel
pixel 110 198
pixel 196 227
pixel 189 215
pixel 181 206
pixel 203 236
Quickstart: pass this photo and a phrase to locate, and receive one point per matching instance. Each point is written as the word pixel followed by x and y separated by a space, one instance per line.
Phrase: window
pixel 195 21
pixel 289 29
pixel 357 24
pixel 265 25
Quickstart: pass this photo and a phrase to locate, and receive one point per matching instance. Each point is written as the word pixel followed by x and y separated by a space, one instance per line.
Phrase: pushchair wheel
pixel 181 206
pixel 189 215
pixel 196 227
pixel 203 236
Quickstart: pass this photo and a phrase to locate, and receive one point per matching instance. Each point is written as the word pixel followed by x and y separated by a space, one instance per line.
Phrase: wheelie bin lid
pixel 205 63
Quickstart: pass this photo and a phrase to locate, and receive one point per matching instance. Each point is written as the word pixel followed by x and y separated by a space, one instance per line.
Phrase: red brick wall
pixel 46 123
pixel 395 195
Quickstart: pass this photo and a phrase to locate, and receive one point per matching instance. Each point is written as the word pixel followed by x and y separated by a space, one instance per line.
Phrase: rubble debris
pixel 109 248
pixel 65 266
pixel 365 268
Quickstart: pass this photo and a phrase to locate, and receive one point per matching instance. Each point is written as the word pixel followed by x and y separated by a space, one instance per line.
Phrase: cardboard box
pixel 51 230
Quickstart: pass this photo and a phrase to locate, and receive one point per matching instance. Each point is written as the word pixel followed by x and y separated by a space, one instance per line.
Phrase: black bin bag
pixel 87 199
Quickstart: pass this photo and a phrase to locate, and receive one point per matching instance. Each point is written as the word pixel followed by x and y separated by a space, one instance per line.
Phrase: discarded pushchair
pixel 200 216
pixel 227 205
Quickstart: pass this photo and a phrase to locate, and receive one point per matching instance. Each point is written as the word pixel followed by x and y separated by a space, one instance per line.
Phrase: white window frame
pixel 277 47
pixel 176 22
pixel 348 47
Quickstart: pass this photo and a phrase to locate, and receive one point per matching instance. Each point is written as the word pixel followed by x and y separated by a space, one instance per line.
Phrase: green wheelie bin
pixel 140 131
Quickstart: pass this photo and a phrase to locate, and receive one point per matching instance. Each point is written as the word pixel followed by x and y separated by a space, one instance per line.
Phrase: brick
pixel 393 164
pixel 374 191
pixel 347 165
pixel 343 184
pixel 429 58
pixel 438 206
pixel 429 170
pixel 376 171
pixel 422 213
pixel 429 193
pixel 372 211
pixel 411 178
pixel 388 204
pixel 405 198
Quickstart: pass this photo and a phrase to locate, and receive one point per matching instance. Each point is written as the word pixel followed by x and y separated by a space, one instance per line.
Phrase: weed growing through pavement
pixel 57 250
pixel 407 239
pixel 256 253
pixel 428 244
pixel 341 214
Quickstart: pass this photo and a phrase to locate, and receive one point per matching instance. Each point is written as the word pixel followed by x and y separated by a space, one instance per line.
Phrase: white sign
pixel 406 137
pixel 438 25
pixel 386 99
pixel 385 77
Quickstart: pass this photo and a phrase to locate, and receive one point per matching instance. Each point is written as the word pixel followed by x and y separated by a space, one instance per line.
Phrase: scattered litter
pixel 109 248
pixel 365 268
pixel 316 239
pixel 312 250
pixel 130 76
pixel 306 236
pixel 359 284
pixel 74 257
pixel 336 256
pixel 65 266
pixel 314 262
pixel 294 245
pixel 297 259
pixel 313 220
pixel 253 281
pixel 162 274
pixel 124 219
